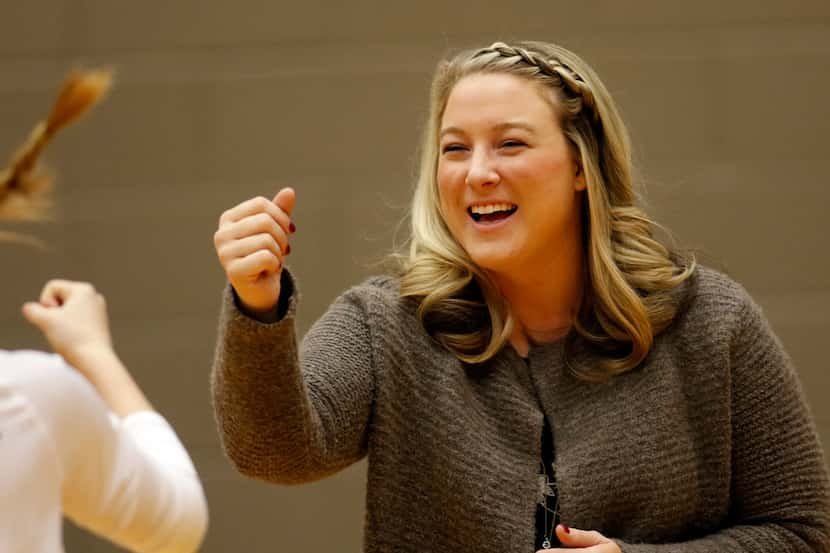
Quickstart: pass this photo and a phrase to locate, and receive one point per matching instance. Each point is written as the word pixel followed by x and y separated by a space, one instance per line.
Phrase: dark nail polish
pixel 292 228
pixel 566 529
pixel 287 249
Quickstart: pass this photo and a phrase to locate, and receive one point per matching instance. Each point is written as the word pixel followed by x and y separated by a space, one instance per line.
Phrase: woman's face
pixel 508 184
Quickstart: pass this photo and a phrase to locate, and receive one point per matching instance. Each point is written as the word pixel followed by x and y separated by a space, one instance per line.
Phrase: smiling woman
pixel 510 191
pixel 539 361
pixel 525 116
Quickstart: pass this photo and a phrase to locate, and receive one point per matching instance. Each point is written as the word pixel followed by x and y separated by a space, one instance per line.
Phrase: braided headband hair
pixel 570 81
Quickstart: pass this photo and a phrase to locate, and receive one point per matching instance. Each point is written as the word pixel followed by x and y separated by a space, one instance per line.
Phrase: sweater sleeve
pixel 287 414
pixel 780 498
pixel 129 480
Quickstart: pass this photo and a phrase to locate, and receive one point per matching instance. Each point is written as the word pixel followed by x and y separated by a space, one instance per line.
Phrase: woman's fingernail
pixel 566 529
pixel 292 228
pixel 287 249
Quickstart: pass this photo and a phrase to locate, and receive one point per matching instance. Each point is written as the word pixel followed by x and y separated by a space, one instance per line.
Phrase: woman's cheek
pixel 450 179
pixel 445 191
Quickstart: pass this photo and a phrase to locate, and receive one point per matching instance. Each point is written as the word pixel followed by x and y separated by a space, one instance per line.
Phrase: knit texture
pixel 707 447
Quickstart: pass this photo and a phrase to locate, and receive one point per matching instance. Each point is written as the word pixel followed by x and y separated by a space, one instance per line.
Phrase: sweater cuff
pixel 286 302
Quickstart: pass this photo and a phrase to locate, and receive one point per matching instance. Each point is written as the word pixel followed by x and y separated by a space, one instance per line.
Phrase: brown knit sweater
pixel 707 447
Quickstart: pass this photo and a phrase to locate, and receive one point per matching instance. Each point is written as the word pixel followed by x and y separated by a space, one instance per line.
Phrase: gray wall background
pixel 217 102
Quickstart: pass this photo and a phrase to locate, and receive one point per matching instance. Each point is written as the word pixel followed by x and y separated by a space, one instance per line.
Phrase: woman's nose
pixel 481 171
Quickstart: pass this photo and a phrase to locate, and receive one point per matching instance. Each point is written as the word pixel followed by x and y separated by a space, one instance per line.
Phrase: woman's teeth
pixel 491 212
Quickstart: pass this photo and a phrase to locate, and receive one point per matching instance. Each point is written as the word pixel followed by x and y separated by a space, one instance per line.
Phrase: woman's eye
pixel 452 148
pixel 512 144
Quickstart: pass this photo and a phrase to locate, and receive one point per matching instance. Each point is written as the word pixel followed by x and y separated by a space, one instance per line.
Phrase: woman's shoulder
pixel 42 387
pixel 381 288
pixel 379 297
pixel 714 297
pixel 709 283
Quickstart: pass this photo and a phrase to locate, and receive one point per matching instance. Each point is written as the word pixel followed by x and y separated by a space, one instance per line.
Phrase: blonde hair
pixel 24 187
pixel 631 276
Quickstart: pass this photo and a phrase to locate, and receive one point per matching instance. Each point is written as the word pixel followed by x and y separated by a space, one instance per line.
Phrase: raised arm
pixel 125 474
pixel 285 416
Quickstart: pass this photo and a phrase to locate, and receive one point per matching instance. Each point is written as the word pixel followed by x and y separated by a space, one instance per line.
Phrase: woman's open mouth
pixel 491 213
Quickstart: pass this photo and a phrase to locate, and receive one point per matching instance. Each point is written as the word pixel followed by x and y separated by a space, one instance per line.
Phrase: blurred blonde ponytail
pixel 24 187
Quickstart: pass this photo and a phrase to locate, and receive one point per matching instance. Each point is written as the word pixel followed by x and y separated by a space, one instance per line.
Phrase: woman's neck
pixel 544 301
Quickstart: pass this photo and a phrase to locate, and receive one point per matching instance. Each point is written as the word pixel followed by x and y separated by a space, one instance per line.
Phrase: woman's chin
pixel 494 261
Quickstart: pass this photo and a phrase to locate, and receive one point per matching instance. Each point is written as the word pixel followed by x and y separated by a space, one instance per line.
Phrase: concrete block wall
pixel 216 102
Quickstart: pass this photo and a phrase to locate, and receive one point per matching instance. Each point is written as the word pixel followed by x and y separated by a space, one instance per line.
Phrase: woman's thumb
pixel 571 537
pixel 285 199
pixel 35 313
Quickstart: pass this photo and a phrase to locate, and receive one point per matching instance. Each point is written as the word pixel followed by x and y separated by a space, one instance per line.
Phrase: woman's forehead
pixel 496 101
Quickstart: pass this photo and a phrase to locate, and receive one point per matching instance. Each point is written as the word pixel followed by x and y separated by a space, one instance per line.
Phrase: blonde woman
pixel 77 436
pixel 543 373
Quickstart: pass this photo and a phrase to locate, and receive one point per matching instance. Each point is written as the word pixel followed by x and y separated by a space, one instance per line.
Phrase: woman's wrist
pixel 262 315
pixel 273 314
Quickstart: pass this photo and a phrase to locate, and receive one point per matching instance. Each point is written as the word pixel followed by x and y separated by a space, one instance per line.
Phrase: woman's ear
pixel 579 178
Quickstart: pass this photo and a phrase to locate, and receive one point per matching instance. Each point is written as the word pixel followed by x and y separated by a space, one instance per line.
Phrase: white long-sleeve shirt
pixel 62 452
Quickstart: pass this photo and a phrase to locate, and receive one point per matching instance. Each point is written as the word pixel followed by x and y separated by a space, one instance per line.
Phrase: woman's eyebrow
pixel 450 130
pixel 507 125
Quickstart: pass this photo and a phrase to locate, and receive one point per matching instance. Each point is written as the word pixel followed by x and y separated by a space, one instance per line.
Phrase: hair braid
pixel 566 77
